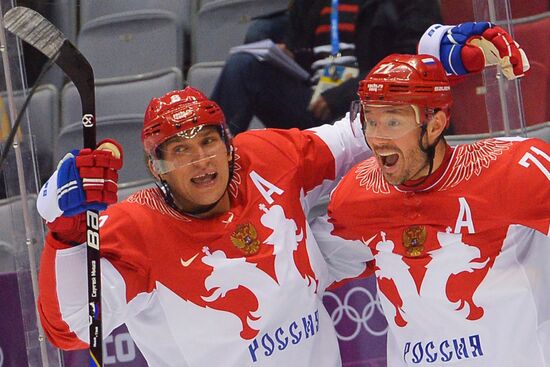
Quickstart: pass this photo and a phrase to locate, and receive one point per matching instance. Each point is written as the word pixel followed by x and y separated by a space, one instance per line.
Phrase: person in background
pixel 273 26
pixel 459 237
pixel 367 31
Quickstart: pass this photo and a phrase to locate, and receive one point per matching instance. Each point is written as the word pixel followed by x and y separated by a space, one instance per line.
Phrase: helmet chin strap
pixel 201 209
pixel 166 193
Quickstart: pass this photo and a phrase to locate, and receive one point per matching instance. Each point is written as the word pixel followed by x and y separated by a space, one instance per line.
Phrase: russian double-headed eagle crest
pixel 245 238
pixel 413 240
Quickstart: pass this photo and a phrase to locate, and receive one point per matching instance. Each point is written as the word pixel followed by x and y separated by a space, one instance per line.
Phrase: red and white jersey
pixel 240 289
pixel 461 261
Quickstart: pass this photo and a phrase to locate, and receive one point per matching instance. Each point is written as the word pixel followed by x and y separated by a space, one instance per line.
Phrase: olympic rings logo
pixel 347 313
pixel 88 120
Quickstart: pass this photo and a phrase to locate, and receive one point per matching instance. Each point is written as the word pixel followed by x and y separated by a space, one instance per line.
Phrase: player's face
pixel 200 171
pixel 393 134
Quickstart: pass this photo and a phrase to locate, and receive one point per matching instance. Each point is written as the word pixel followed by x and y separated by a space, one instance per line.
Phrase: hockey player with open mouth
pixel 459 235
pixel 216 266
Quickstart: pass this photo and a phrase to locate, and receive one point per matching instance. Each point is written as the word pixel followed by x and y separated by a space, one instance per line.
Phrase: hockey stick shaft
pixel 79 71
pixel 41 34
pixel 83 80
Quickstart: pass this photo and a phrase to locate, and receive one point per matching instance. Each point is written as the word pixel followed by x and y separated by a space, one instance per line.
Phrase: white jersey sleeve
pixel 348 147
pixel 345 259
pixel 73 289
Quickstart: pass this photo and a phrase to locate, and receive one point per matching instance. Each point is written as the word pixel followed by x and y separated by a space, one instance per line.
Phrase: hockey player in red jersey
pixel 218 266
pixel 459 236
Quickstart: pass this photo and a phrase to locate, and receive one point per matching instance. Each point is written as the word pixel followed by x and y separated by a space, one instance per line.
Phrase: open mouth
pixel 389 159
pixel 204 179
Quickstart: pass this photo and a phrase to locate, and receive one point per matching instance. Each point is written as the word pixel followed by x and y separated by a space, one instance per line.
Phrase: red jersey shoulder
pixel 487 157
pixel 530 159
pixel 289 155
pixel 533 146
pixel 257 145
pixel 471 160
pixel 265 152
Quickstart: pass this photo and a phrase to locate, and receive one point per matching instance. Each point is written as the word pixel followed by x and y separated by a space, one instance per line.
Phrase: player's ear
pixel 436 125
pixel 152 168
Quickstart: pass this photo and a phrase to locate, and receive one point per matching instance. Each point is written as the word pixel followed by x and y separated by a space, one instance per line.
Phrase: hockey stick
pixel 34 29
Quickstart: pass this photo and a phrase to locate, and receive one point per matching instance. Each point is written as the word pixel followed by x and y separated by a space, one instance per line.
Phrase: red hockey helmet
pixel 418 80
pixel 176 113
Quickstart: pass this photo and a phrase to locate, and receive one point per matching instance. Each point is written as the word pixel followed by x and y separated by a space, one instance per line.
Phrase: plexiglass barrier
pixel 22 233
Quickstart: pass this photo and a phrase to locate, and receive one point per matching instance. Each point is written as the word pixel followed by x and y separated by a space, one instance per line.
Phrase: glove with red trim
pixel 84 180
pixel 470 47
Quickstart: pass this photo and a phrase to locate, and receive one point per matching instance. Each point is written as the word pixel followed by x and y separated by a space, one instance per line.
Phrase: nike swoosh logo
pixel 188 262
pixel 230 219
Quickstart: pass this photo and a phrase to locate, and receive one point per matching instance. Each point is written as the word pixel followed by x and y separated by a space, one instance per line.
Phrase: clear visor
pixel 355 118
pixel 184 150
pixel 388 121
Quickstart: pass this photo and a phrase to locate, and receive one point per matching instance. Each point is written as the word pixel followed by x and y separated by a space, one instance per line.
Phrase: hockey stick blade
pixel 38 32
pixel 34 29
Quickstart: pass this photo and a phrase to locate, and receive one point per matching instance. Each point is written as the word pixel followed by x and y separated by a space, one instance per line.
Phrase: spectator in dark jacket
pixel 368 31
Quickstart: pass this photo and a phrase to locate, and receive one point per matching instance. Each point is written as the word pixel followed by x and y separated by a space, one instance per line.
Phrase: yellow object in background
pixel 5 126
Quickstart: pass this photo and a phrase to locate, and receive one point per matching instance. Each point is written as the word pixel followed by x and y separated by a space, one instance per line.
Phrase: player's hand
pixel 283 47
pixel 84 180
pixel 470 47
